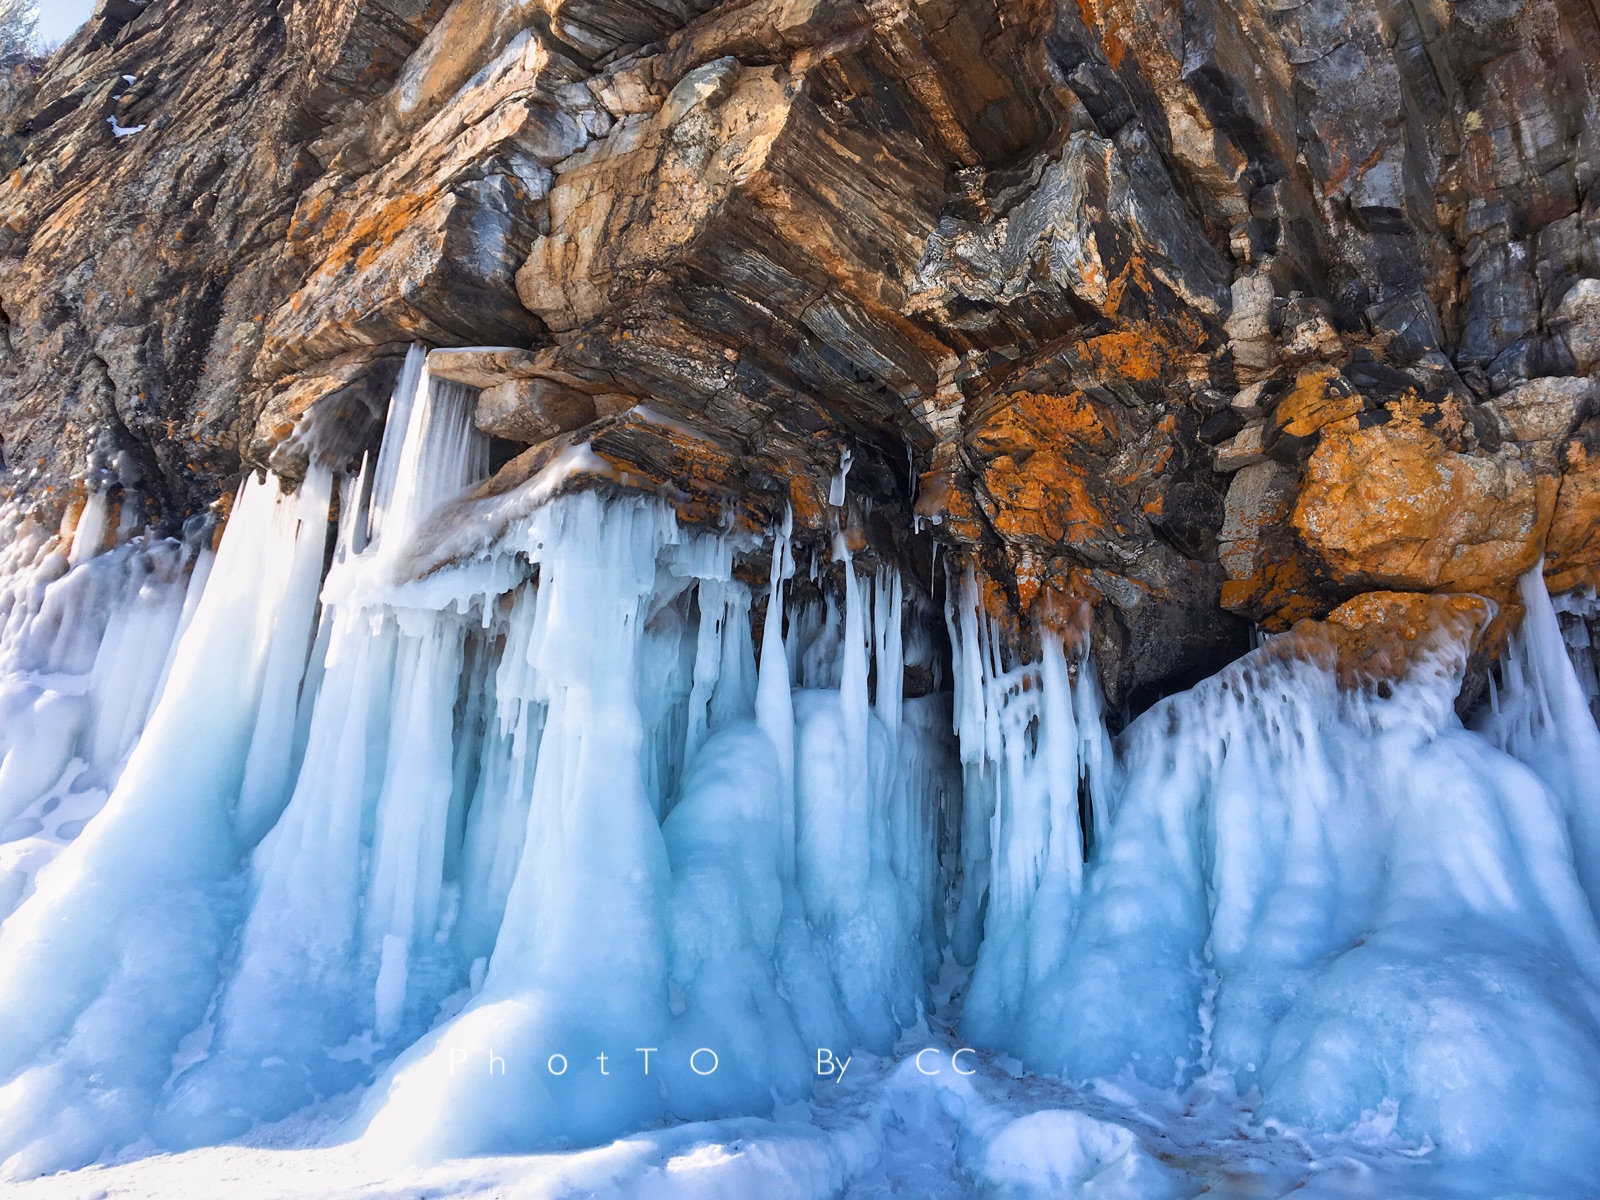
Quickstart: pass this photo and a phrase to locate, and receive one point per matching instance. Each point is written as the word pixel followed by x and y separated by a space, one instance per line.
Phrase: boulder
pixel 1579 315
pixel 1393 506
pixel 532 410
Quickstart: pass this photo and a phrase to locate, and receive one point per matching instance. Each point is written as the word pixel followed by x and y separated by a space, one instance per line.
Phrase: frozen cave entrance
pixel 551 778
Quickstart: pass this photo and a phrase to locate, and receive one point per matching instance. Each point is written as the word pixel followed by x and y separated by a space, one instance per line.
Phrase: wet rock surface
pixel 1199 314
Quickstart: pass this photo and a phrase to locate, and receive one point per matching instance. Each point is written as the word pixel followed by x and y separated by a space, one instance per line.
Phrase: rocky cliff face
pixel 1202 314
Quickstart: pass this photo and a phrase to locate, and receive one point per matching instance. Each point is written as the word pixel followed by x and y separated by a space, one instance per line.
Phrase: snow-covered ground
pixel 888 1130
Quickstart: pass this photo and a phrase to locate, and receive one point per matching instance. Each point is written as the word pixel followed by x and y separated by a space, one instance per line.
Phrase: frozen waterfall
pixel 526 823
pixel 532 806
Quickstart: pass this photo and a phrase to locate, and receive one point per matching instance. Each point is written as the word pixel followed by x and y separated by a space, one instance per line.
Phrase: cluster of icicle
pixel 85 642
pixel 538 807
pixel 1339 900
pixel 1578 618
pixel 273 830
pixel 1038 786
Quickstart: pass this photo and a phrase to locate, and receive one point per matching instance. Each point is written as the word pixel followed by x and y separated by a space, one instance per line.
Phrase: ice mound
pixel 1058 1152
pixel 717 877
pixel 85 642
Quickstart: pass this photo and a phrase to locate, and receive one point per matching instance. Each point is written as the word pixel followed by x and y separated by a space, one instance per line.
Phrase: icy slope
pixel 85 640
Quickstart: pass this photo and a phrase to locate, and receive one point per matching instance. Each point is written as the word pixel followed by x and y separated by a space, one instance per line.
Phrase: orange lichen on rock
pixel 1026 421
pixel 1056 602
pixel 944 500
pixel 1268 580
pixel 1380 637
pixel 996 601
pixel 1320 396
pixel 1028 572
pixel 1111 38
pixel 1065 602
pixel 1572 551
pixel 1276 594
pixel 356 239
pixel 807 502
pixel 1043 496
pixel 1394 506
pixel 1040 475
pixel 1136 354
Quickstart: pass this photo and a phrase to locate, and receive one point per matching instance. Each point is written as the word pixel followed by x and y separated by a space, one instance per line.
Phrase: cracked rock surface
pixel 1200 314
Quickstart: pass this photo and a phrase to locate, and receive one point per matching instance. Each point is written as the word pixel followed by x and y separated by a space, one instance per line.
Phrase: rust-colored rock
pixel 1392 506
pixel 1378 638
pixel 1319 397
pixel 1038 480
pixel 1572 553
pixel 1194 313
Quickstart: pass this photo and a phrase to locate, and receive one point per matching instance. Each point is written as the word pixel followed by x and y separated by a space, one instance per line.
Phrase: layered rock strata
pixel 1200 315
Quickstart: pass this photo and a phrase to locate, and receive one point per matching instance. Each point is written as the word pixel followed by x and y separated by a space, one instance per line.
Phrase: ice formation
pixel 1578 617
pixel 537 820
pixel 1037 790
pixel 84 642
pixel 1342 899
pixel 545 791
pixel 1543 715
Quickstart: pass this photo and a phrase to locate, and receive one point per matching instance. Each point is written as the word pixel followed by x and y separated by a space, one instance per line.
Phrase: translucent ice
pixel 113 958
pixel 1540 713
pixel 537 819
pixel 1344 899
pixel 763 913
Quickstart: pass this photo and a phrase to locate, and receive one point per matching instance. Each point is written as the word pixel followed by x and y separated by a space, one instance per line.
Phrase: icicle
pixel 1543 717
pixel 1579 615
pixel 836 488
pixel 408 847
pixel 358 854
pixel 272 744
pixel 845 781
pixel 774 704
pixel 888 651
pixel 497 818
pixel 854 655
pixel 1340 898
pixel 130 664
pixel 587 899
pixel 724 672
pixel 541 796
pixel 90 534
pixel 707 663
pixel 386 476
pixel 1097 769
pixel 1032 741
pixel 734 697
pixel 540 804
